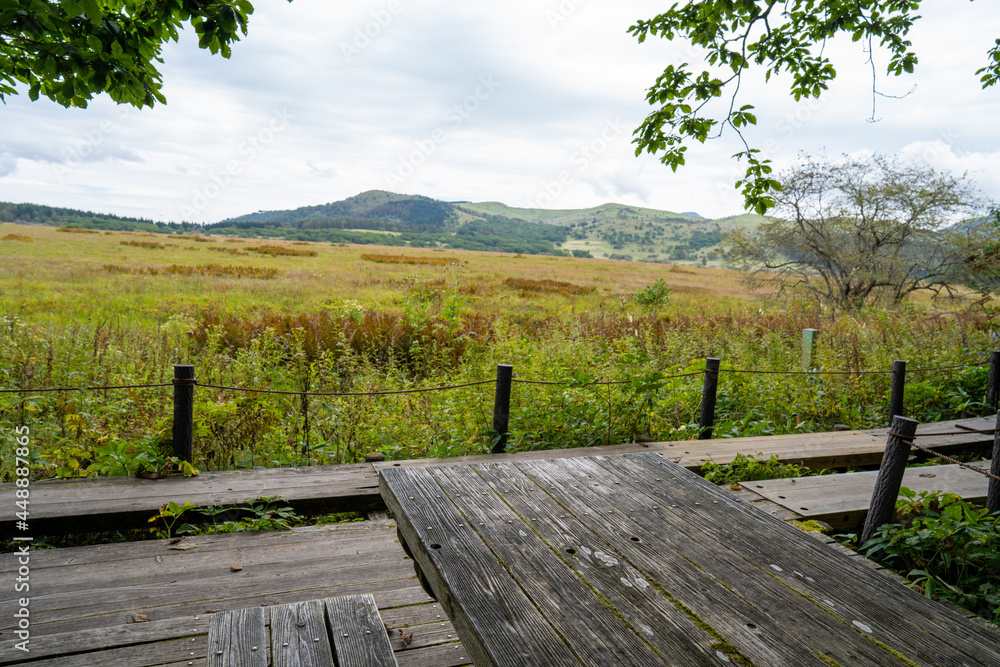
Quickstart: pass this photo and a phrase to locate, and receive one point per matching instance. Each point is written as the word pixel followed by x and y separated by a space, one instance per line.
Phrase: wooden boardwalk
pixel 633 560
pixel 150 603
pixel 66 506
pixel 840 449
pixel 842 500
pixel 89 605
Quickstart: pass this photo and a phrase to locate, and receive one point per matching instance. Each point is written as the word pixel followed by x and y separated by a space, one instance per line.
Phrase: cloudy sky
pixel 528 102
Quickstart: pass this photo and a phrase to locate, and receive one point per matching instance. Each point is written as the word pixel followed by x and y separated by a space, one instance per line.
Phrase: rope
pixel 909 440
pixel 756 372
pixel 948 368
pixel 889 372
pixel 567 383
pixel 344 393
pixel 117 386
pixel 962 432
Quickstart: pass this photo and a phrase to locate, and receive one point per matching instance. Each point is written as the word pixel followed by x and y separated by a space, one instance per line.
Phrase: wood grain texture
pixel 721 589
pixel 569 603
pixel 238 639
pixel 358 632
pixel 677 639
pixel 298 635
pixel 633 560
pixel 926 632
pixel 484 602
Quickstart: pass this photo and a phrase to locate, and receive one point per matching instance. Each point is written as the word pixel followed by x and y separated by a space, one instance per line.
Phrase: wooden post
pixel 898 389
pixel 708 394
pixel 993 493
pixel 501 406
pixel 993 383
pixel 808 343
pixel 183 411
pixel 890 475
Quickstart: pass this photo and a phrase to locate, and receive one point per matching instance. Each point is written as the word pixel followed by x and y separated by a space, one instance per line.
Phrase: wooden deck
pixel 632 560
pixel 842 500
pixel 89 605
pixel 90 505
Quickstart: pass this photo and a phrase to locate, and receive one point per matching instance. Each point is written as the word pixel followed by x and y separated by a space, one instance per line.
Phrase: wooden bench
pixel 306 634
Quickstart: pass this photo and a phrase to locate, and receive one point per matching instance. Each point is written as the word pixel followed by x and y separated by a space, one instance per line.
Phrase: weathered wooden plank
pixel 441 655
pixel 238 638
pixel 401 590
pixel 170 652
pixel 485 604
pixel 731 599
pixel 169 564
pixel 210 590
pixel 412 637
pixel 842 500
pixel 569 603
pixel 116 553
pixel 298 635
pixel 132 634
pixel 924 631
pixel 838 449
pixel 542 454
pixel 109 637
pixel 358 632
pixel 67 506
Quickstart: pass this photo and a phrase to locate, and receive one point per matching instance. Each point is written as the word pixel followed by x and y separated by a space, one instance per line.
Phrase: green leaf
pixel 92 8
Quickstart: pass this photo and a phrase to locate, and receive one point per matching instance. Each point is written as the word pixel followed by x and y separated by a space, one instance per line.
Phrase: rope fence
pixel 567 383
pixel 345 393
pixel 902 438
pixel 184 384
pixel 929 369
pixel 912 442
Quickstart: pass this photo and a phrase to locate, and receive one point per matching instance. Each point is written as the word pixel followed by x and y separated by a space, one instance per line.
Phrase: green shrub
pixel 654 296
pixel 946 548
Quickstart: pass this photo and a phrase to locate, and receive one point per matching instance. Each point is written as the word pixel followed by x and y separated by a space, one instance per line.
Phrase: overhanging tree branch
pixel 788 46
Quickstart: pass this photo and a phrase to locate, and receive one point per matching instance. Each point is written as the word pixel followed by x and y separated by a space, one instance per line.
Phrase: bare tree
pixel 858 231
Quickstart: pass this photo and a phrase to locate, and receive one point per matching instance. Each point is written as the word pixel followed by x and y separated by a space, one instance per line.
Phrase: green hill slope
pixel 613 231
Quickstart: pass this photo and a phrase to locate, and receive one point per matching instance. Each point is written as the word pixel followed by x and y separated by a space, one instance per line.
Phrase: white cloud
pixel 353 118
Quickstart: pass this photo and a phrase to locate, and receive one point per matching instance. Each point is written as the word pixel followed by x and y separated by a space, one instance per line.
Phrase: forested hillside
pixel 377 217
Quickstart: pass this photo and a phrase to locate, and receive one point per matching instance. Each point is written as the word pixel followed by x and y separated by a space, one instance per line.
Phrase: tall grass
pixel 324 325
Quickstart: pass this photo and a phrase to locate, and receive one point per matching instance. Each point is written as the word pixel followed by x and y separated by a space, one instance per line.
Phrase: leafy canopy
pixel 71 50
pixel 779 37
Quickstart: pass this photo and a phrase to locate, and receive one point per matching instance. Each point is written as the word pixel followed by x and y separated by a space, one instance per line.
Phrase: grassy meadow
pixel 92 309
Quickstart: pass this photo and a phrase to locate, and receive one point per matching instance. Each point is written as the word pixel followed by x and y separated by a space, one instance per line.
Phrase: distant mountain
pixel 613 231
pixel 392 209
